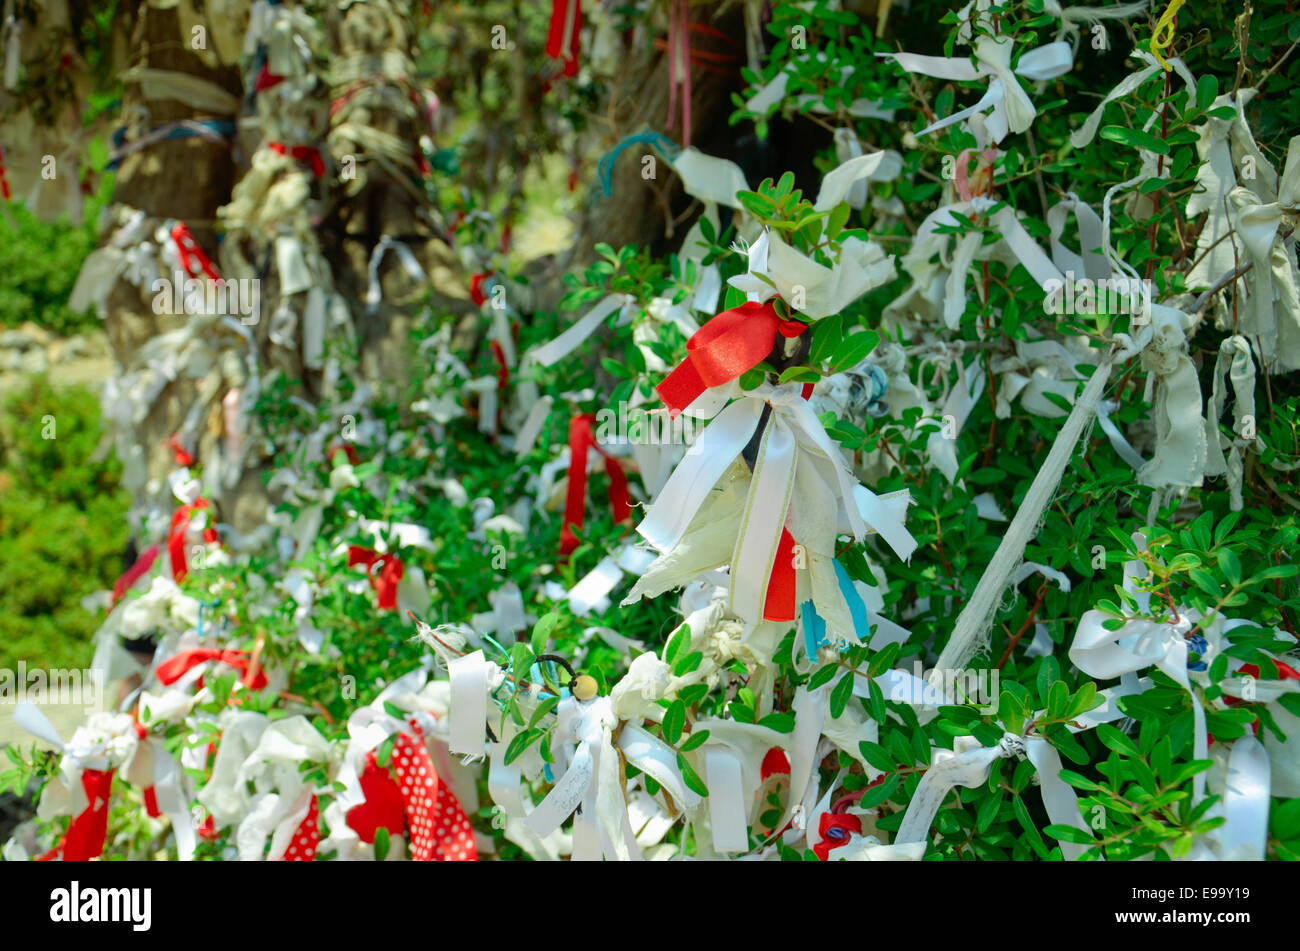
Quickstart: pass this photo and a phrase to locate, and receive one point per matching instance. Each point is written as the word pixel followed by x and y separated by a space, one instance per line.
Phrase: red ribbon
pixel 582 438
pixel 4 182
pixel 135 572
pixel 778 605
pixel 301 153
pixel 191 254
pixel 503 369
pixel 476 289
pixel 176 537
pixel 391 570
pixel 87 831
pixel 731 343
pixel 177 666
pixel 558 44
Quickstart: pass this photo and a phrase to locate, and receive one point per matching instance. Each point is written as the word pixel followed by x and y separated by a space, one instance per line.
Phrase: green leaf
pixel 1230 565
pixel 1207 90
pixel 676 644
pixel 1117 741
pixel 1058 701
pixel 780 722
pixel 855 349
pixel 841 694
pixel 521 742
pixel 385 754
pixel 878 757
pixel 674 721
pixel 1069 834
pixel 988 810
pixel 382 843
pixel 1085 699
pixel 614 368
pixel 1136 138
pixel 543 708
pixel 697 738
pixel 1027 823
pixel 822 676
pixel 879 793
pixel 688 663
pixel 827 334
pixel 542 631
pixel 691 778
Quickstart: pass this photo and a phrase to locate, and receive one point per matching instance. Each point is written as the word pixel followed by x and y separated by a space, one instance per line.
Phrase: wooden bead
pixel 584 687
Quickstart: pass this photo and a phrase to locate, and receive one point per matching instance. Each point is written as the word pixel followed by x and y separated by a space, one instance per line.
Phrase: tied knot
pixel 1011 745
pixel 777 395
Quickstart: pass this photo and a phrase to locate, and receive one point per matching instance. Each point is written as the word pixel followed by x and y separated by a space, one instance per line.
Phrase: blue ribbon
pixel 605 170
pixel 814 625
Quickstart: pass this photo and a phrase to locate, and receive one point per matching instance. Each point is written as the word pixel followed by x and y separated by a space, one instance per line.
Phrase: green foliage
pixel 62 524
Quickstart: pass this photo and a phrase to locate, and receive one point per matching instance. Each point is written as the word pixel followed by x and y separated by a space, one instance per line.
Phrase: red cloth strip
pixel 562 45
pixel 778 605
pixel 301 153
pixel 503 370
pixel 87 831
pixel 581 438
pixel 177 666
pixel 193 258
pixel 385 582
pixel 176 537
pixel 135 572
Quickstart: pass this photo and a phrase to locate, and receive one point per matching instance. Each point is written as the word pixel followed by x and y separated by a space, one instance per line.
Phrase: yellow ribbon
pixel 1163 35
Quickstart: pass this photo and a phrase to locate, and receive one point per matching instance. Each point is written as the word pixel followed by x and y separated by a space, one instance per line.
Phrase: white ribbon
pixel 585 326
pixel 374 292
pixel 1012 109
pixel 946 770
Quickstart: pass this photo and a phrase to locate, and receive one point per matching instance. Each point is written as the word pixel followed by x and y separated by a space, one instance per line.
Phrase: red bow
pixel 562 38
pixel 187 248
pixel 176 538
pixel 135 572
pixel 175 667
pixel 390 573
pixel 731 343
pixel 582 438
pixel 301 153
